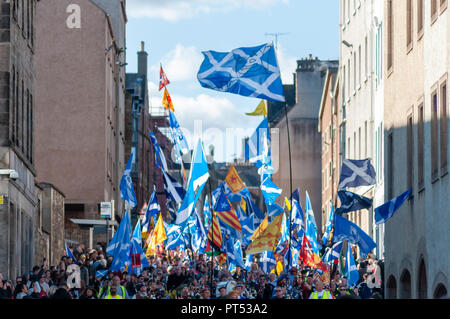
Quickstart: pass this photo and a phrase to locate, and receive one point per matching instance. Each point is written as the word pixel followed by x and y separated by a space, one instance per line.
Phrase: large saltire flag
pixel 268 239
pixel 250 71
pixel 267 261
pixel 167 101
pixel 163 80
pixel 234 181
pixel 311 231
pixel 351 202
pixel 346 230
pixel 126 184
pixel 260 110
pixel 119 246
pixel 158 236
pixel 153 209
pixel 269 190
pixel 387 210
pixel 198 176
pixel 159 154
pixel 138 259
pixel 355 173
pixel 214 233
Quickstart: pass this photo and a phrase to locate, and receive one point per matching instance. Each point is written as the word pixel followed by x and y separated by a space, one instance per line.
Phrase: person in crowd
pixel 319 291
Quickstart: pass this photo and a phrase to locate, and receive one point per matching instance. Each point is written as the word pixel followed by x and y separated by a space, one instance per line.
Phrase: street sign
pixel 105 210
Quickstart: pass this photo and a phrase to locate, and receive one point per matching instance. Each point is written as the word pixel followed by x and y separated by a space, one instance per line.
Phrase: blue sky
pixel 176 31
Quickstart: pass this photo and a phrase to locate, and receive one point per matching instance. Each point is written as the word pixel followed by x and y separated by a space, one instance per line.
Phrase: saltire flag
pixel 248 228
pixel 207 212
pixel 351 272
pixel 351 202
pixel 267 261
pixel 296 195
pixel 167 101
pixel 126 184
pixel 198 176
pixel 234 181
pixel 163 80
pixel 311 231
pixel 261 228
pixel 309 257
pixel 346 230
pixel 173 189
pixel 174 237
pixel 253 209
pixel 160 159
pixel 181 144
pixel 297 215
pixel 387 210
pixel 138 259
pixel 69 254
pixel 172 209
pixel 269 190
pixel 119 246
pixel 101 273
pixel 268 238
pixel 356 173
pixel 239 260
pixel 257 148
pixel 215 234
pixel 261 109
pixel 157 237
pixel 333 253
pixel 153 209
pixel 246 71
pixel 248 262
pixel 199 237
pixel 326 236
pixel 143 209
pixel 274 210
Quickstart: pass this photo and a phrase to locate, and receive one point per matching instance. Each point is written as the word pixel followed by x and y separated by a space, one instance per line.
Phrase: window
pixel 443 127
pixel 409 25
pixel 409 151
pixel 390 36
pixel 31 133
pixel 14 106
pixel 359 143
pixel 22 119
pixel 365 140
pixel 354 144
pixel 28 133
pixel 420 17
pixel 434 11
pixel 434 135
pixel 359 66
pixel 344 87
pixel 354 72
pixel 420 147
pixel 349 80
pixel 442 5
pixel 16 110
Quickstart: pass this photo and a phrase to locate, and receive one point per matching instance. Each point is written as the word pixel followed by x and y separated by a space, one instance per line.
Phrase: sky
pixel 175 33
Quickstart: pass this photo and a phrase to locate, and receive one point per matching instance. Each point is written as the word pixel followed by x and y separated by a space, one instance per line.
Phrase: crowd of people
pixel 180 275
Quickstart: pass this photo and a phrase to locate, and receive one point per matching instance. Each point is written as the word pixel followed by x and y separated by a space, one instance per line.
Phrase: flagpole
pixel 290 185
pixel 212 225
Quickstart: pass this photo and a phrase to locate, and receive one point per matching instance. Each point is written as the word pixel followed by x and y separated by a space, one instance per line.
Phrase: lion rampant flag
pixel 167 101
pixel 158 236
pixel 234 181
pixel 261 228
pixel 268 239
pixel 309 258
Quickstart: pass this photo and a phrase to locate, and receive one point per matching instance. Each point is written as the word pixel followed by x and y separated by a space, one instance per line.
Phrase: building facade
pixel 80 106
pixel 416 60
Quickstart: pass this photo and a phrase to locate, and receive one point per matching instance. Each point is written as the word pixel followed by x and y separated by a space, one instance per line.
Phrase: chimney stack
pixel 142 61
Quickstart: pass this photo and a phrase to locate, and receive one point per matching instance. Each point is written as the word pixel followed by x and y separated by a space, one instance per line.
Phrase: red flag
pixel 163 80
pixel 309 258
pixel 135 260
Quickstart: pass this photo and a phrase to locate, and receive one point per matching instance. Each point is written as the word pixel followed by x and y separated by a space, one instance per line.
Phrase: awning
pixel 92 222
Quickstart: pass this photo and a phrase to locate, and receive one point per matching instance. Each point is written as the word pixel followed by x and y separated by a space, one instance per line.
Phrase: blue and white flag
pixel 387 210
pixel 137 254
pixel 257 149
pixel 346 230
pixel 69 254
pixel 126 184
pixel 248 262
pixel 328 227
pixel 297 215
pixel 296 195
pixel 174 237
pixel 351 272
pixel 160 159
pixel 351 202
pixel 153 210
pixel 174 190
pixel 269 190
pixel 198 176
pixel 274 210
pixel 356 173
pixel 101 273
pixel 199 237
pixel 250 71
pixel 247 227
pixel 311 231
pixel 180 141
pixel 207 212
pixel 119 246
pixel 237 259
pixel 267 261
pixel 333 253
pixel 252 209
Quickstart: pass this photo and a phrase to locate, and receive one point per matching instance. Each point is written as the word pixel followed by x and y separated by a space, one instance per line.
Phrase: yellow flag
pixel 260 109
pixel 288 205
pixel 234 181
pixel 268 238
pixel 244 205
pixel 157 237
pixel 261 228
pixel 167 101
pixel 279 267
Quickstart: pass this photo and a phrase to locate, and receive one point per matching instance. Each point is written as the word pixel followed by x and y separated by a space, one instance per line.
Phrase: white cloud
pixel 287 64
pixel 173 10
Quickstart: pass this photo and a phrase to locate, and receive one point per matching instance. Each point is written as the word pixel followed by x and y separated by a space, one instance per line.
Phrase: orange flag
pixel 234 181
pixel 261 228
pixel 158 236
pixel 167 101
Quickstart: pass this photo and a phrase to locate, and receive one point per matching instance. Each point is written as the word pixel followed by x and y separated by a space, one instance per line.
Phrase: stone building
pixel 80 107
pixel 416 60
pixel 17 109
pixel 305 140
